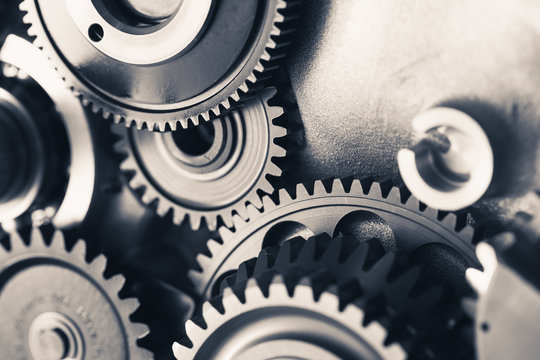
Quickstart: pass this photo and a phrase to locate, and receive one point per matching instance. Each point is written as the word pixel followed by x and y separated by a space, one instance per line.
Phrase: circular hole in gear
pixel 485 327
pixel 284 231
pixel 365 226
pixel 95 32
pixel 195 141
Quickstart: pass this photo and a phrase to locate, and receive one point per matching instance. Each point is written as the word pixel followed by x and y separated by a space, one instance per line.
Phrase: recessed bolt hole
pixel 195 141
pixel 485 327
pixel 95 32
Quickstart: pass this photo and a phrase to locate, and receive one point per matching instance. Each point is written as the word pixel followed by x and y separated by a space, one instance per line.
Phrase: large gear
pixel 400 295
pixel 366 210
pixel 502 294
pixel 211 171
pixel 55 304
pixel 275 322
pixel 48 169
pixel 119 57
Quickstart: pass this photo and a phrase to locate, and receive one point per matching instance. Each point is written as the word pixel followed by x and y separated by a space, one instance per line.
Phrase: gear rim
pixel 253 70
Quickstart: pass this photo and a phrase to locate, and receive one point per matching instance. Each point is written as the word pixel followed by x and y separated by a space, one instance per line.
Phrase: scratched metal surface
pixel 362 69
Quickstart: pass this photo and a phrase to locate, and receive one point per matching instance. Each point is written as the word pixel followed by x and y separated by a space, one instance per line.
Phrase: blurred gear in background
pixel 185 142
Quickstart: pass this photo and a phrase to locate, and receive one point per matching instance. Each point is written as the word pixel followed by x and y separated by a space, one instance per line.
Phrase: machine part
pixel 57 305
pixel 44 145
pixel 507 309
pixel 451 166
pixel 413 309
pixel 161 66
pixel 367 210
pixel 277 323
pixel 210 171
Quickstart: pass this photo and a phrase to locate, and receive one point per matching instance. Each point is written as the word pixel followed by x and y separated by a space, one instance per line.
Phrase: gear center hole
pixel 95 32
pixel 195 141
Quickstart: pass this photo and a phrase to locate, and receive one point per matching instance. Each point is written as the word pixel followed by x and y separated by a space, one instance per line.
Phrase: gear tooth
pixel 229 299
pixel 209 311
pixel 226 103
pixel 431 213
pixel 244 88
pixel 178 217
pixel 253 208
pixel 130 305
pixel 117 118
pixel 238 222
pixel 301 192
pixel 376 190
pixel 37 240
pixel 117 283
pixel 449 221
pixel 394 195
pixel 58 241
pixel 242 212
pixel 225 233
pixel 265 56
pixel 162 208
pixel 356 187
pixel 318 188
pixel 17 242
pixel 337 187
pixel 99 263
pixel 328 300
pixel 184 123
pixel 195 221
pixel 177 349
pixel 191 328
pixel 203 261
pixel 79 249
pixel 140 331
pixel 213 246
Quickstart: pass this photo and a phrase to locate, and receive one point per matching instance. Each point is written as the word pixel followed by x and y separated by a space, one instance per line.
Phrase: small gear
pixel 507 303
pixel 366 210
pixel 211 171
pixel 401 295
pixel 156 66
pixel 274 321
pixel 47 158
pixel 56 305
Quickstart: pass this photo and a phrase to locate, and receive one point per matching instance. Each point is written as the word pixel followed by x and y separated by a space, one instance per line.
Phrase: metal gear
pixel 274 322
pixel 507 303
pixel 365 209
pixel 54 304
pixel 211 171
pixel 48 169
pixel 401 295
pixel 141 50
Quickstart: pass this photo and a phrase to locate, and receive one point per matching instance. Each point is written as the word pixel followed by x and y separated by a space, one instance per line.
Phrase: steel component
pixel 400 221
pixel 55 304
pixel 210 171
pixel 506 311
pixel 415 320
pixel 79 187
pixel 283 324
pixel 451 166
pixel 157 73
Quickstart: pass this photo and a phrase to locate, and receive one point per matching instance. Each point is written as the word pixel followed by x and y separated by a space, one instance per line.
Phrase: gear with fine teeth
pixel 272 321
pixel 401 295
pixel 211 171
pixel 508 299
pixel 54 304
pixel 364 209
pixel 156 68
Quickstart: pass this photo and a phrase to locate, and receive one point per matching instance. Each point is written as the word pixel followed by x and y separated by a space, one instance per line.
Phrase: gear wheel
pixel 211 171
pixel 119 58
pixel 54 304
pixel 273 322
pixel 507 303
pixel 365 209
pixel 401 295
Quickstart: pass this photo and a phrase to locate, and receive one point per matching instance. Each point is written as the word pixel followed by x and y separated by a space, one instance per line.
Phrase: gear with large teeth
pixel 365 209
pixel 398 290
pixel 507 306
pixel 211 171
pixel 272 321
pixel 55 304
pixel 162 67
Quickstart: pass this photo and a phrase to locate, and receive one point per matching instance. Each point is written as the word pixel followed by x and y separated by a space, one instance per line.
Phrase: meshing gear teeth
pixel 162 104
pixel 361 208
pixel 182 190
pixel 275 318
pixel 397 294
pixel 50 292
